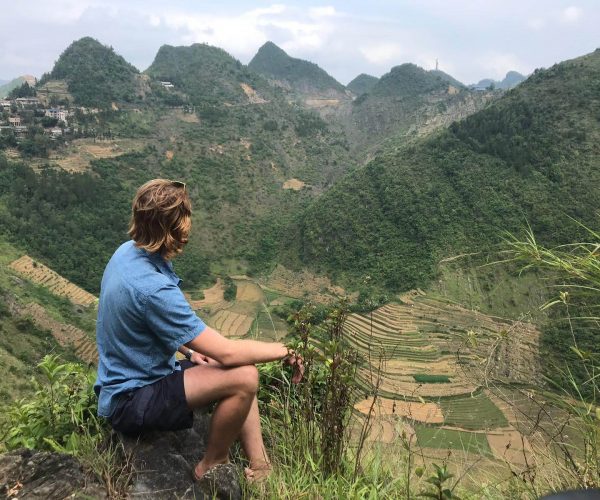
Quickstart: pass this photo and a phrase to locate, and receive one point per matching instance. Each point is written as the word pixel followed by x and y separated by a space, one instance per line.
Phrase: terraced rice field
pixel 450 439
pixel 65 335
pixel 42 275
pixel 231 324
pixel 472 412
pixel 430 373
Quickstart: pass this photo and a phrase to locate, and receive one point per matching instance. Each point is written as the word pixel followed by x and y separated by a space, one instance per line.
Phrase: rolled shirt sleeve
pixel 171 318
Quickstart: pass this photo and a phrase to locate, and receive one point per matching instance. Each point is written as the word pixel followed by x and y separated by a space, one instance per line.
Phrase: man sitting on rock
pixel 143 318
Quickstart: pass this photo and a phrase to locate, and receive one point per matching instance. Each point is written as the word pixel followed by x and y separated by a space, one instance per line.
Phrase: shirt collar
pixel 164 266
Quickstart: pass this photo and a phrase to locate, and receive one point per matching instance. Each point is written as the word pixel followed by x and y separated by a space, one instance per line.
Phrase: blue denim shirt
pixel 143 318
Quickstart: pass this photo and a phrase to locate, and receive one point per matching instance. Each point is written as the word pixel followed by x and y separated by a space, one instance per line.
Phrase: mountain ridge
pixel 531 155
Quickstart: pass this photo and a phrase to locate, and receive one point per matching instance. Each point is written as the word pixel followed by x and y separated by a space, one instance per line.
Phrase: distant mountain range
pixel 7 85
pixel 378 192
pixel 512 79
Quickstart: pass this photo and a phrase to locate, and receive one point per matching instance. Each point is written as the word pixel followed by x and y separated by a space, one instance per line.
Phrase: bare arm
pixel 230 352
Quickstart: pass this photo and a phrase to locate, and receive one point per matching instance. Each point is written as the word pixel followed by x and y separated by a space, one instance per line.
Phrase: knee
pixel 249 378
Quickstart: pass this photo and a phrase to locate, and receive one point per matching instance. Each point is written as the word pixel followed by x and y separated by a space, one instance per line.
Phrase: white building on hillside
pixel 59 114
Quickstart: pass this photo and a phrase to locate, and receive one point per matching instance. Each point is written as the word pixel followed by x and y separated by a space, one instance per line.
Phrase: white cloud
pixel 318 12
pixel 382 53
pixel 571 14
pixel 537 23
pixel 243 33
pixel 154 20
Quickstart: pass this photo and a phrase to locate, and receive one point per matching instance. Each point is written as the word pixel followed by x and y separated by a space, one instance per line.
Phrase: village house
pixel 167 85
pixel 14 121
pixel 59 114
pixel 27 101
pixel 5 104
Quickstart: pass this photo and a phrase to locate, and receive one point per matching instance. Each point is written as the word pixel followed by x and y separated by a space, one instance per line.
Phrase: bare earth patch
pixel 294 184
pixel 186 117
pixel 510 445
pixel 322 103
pixel 42 275
pixel 213 296
pixel 81 152
pixel 231 324
pixel 248 291
pixel 251 94
pixel 429 413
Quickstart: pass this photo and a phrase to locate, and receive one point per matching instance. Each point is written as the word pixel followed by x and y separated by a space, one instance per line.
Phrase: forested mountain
pixel 362 84
pixel 208 75
pixel 405 103
pixel 533 156
pixel 95 75
pixel 231 135
pixel 303 77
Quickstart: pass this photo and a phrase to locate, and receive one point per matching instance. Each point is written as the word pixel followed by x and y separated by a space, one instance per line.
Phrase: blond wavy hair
pixel 161 217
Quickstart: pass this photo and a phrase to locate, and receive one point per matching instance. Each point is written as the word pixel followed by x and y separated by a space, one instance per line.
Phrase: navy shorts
pixel 160 406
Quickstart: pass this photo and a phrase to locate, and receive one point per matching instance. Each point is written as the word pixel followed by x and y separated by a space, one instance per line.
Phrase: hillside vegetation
pixel 362 84
pixel 406 103
pixel 96 76
pixel 302 76
pixel 532 156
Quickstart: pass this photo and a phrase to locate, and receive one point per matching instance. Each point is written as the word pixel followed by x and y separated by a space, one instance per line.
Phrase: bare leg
pixel 253 445
pixel 235 389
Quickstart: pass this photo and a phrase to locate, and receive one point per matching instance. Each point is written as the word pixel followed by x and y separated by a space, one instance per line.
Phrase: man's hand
pixel 201 359
pixel 297 363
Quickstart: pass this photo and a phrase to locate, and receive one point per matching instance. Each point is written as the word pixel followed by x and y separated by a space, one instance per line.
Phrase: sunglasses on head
pixel 178 184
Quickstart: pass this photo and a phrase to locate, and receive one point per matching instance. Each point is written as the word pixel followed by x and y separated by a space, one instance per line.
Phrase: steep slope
pixel 95 75
pixel 406 103
pixel 530 157
pixel 362 84
pixel 302 77
pixel 208 75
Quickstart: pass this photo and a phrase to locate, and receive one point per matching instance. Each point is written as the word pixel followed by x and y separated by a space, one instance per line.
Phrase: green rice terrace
pixel 435 383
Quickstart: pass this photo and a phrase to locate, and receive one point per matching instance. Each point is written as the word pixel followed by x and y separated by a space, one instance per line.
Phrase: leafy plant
pixel 440 489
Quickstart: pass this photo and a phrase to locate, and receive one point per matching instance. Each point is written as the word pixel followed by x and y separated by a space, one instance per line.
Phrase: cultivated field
pixel 42 275
pixel 65 335
pixel 247 315
pixel 434 358
pixel 303 285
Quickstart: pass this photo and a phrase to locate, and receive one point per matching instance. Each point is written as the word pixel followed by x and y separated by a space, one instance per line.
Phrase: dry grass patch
pixel 303 285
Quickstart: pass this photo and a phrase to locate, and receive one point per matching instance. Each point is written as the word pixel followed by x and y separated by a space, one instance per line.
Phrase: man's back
pixel 142 319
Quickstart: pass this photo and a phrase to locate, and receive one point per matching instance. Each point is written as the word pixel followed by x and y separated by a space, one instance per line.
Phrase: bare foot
pixel 258 473
pixel 203 467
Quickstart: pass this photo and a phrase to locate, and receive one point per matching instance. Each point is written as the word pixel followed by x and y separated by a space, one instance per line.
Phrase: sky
pixel 471 39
